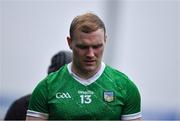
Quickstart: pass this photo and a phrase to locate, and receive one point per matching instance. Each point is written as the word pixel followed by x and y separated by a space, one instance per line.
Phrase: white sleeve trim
pixel 37 114
pixel 131 116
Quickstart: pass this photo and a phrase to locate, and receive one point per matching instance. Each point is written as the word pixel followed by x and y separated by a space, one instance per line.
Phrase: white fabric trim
pixel 89 81
pixel 131 116
pixel 37 114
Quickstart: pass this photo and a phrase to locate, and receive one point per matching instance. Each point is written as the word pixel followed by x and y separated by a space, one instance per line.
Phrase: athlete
pixel 87 88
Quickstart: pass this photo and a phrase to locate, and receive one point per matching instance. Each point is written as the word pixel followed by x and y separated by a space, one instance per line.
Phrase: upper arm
pixel 137 119
pixel 38 104
pixel 28 118
pixel 132 105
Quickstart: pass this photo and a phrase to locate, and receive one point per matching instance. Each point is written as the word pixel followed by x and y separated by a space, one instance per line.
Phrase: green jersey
pixel 110 95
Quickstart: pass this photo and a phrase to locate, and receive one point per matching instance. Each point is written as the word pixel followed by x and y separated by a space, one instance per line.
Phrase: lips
pixel 89 62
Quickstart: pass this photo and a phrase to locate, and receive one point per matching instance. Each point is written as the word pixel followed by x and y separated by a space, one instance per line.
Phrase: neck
pixel 84 74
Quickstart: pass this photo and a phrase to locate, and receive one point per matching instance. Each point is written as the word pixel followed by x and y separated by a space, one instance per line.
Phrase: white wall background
pixel 143 42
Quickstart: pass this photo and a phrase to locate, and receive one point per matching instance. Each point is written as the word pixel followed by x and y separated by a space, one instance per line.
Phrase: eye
pixel 81 46
pixel 97 46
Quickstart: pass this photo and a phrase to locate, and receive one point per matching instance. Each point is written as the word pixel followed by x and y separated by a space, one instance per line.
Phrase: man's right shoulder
pixel 54 78
pixel 57 75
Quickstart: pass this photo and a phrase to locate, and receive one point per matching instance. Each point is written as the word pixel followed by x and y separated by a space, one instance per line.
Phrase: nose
pixel 90 52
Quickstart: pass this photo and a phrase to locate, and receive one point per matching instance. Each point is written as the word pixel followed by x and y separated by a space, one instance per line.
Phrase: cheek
pixel 80 52
pixel 77 53
pixel 100 52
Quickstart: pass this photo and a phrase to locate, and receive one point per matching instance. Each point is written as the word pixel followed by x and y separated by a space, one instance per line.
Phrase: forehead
pixel 96 36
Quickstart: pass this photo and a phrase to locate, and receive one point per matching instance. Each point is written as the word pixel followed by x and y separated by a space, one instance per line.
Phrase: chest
pixel 86 102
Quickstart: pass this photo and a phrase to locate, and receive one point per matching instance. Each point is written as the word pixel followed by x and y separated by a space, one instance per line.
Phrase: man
pixel 18 109
pixel 86 89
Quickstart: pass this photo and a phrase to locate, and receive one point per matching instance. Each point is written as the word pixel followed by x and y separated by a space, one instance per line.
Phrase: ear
pixel 69 40
pixel 105 38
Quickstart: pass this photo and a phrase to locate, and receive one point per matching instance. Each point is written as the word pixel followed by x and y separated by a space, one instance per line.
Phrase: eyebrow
pixel 81 46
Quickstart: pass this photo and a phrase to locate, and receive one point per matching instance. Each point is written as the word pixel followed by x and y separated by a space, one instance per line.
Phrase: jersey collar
pixel 89 81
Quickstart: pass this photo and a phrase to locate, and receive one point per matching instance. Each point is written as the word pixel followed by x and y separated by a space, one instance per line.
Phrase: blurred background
pixel 143 42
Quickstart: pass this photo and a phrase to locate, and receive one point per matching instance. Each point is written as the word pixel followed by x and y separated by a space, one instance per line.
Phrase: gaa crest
pixel 108 96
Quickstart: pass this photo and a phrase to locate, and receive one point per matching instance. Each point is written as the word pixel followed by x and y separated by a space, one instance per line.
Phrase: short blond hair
pixel 86 23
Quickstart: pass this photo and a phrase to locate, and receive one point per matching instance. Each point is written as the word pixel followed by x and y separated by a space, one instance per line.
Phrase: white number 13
pixel 85 99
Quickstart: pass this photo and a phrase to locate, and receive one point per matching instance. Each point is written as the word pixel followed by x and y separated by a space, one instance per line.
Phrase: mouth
pixel 89 62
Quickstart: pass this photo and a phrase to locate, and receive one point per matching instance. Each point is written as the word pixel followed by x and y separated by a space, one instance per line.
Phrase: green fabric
pixel 109 97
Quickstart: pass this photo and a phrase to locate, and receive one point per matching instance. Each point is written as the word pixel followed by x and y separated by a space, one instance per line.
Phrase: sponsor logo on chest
pixel 63 95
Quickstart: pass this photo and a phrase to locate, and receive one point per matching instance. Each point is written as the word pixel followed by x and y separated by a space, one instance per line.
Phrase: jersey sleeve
pixel 38 102
pixel 132 106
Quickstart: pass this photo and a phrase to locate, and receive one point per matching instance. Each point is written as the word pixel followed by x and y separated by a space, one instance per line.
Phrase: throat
pixel 84 74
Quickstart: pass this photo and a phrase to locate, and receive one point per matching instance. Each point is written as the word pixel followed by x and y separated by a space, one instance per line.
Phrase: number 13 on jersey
pixel 85 99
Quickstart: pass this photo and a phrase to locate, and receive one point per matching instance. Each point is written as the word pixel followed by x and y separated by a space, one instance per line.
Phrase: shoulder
pixel 52 80
pixel 58 75
pixel 114 73
pixel 54 75
pixel 46 90
pixel 121 79
pixel 22 100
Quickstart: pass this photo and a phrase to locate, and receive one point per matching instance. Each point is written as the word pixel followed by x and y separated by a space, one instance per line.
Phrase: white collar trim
pixel 89 81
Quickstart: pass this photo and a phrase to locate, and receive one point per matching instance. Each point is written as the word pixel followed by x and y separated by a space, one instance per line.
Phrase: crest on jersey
pixel 108 96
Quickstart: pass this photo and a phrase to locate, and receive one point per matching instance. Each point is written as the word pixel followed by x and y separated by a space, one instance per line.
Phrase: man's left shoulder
pixel 118 76
pixel 115 73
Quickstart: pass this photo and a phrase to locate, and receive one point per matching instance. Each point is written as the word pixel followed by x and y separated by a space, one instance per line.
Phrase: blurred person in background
pixel 86 88
pixel 18 108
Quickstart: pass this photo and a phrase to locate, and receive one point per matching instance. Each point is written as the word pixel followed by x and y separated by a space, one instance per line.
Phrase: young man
pixel 86 89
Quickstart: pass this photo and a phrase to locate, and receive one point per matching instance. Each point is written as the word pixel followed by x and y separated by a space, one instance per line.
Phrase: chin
pixel 90 69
